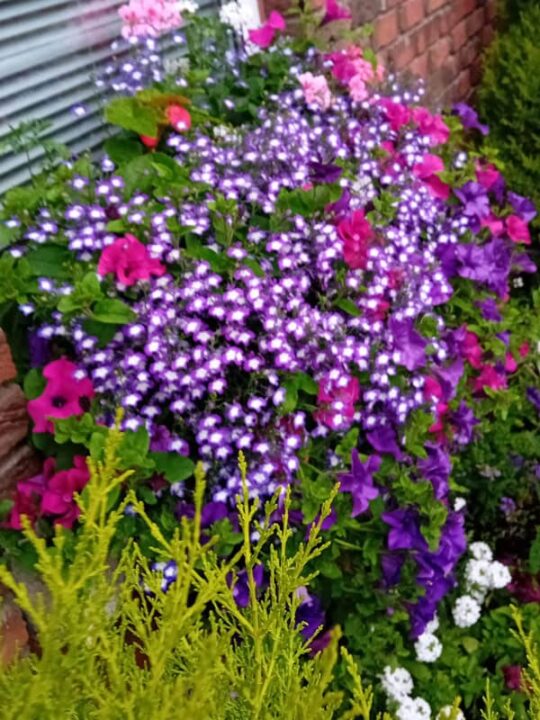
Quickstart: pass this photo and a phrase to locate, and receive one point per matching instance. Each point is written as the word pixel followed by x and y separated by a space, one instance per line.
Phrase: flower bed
pixel 286 254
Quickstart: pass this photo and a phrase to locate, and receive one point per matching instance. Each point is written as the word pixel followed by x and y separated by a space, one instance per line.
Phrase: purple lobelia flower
pixel 523 206
pixel 409 343
pixel 404 530
pixel 474 198
pixel 359 482
pixel 436 468
pixel 463 421
pixel 469 118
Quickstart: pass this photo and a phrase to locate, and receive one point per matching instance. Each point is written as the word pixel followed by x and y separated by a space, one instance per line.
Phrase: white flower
pixel 428 648
pixel 397 684
pixel 459 504
pixel 478 572
pixel 478 594
pixel 413 709
pixel 445 713
pixel 466 611
pixel 189 6
pixel 500 575
pixel 241 15
pixel 433 625
pixel 481 551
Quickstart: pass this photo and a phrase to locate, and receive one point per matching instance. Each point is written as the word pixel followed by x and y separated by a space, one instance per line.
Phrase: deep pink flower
pixel 150 142
pixel 524 349
pixel 316 90
pixel 63 397
pixel 489 378
pixel 335 11
pixel 487 175
pixel 472 350
pixel 336 402
pixel 28 497
pixel 494 224
pixel 426 171
pixel 356 233
pixel 432 389
pixel 431 125
pixel 179 118
pixel 510 364
pixel 129 260
pixel 264 36
pixel 397 114
pixel 512 677
pixel 58 496
pixel 518 230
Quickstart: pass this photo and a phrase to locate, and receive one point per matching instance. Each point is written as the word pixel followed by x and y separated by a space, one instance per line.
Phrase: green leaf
pixel 49 261
pixel 132 115
pixel 34 384
pixel 133 450
pixel 173 467
pixel 534 553
pixel 348 306
pixel 121 150
pixel 254 265
pixel 308 202
pixel 5 507
pixel 113 312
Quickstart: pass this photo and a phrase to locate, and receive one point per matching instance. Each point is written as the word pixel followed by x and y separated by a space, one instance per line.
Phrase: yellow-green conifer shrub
pixel 115 646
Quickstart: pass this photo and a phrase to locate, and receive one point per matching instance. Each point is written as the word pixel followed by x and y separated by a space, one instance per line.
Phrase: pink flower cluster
pixel 129 260
pixel 64 396
pixel 264 36
pixel 356 234
pixel 50 494
pixel 149 18
pixel 316 90
pixel 350 68
pixel 336 399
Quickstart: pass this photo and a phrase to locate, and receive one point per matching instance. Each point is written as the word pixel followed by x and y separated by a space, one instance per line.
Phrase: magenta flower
pixel 336 400
pixel 129 260
pixel 58 497
pixel 518 230
pixel 335 11
pixel 264 36
pixel 28 497
pixel 356 233
pixel 431 125
pixel 397 114
pixel 472 350
pixel 63 397
pixel 359 482
pixel 426 171
pixel 487 175
pixel 489 378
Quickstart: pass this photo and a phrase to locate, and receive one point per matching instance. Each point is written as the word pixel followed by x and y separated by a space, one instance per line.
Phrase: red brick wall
pixel 439 40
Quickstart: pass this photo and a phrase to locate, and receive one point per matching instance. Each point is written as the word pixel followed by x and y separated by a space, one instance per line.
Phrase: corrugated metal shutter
pixel 50 53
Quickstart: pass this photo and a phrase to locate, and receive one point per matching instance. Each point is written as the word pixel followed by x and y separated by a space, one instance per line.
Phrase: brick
pixel 411 14
pixel 475 21
pixel 13 418
pixel 487 35
pixel 461 9
pixel 7 368
pixel 386 29
pixel 491 10
pixel 14 634
pixel 439 54
pixel 469 53
pixel 419 66
pixel 459 36
pixel 426 35
pixel 463 85
pixel 401 54
pixel 434 5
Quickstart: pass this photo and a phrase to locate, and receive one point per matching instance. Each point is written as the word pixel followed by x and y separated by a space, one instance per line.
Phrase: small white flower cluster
pixel 482 574
pixel 187 6
pixel 240 15
pixel 428 647
pixel 445 713
pixel 398 686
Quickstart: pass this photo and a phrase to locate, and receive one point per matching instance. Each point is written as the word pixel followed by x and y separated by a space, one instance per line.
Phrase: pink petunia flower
pixel 129 260
pixel 335 11
pixel 356 234
pixel 487 175
pixel 64 395
pixel 489 378
pixel 28 497
pixel 518 230
pixel 494 224
pixel 431 125
pixel 472 350
pixel 426 170
pixel 316 90
pixel 150 142
pixel 58 496
pixel 179 118
pixel 398 115
pixel 336 400
pixel 358 89
pixel 264 36
pixel 149 18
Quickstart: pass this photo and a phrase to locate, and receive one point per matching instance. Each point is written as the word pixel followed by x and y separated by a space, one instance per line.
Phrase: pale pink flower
pixel 149 18
pixel 358 89
pixel 316 90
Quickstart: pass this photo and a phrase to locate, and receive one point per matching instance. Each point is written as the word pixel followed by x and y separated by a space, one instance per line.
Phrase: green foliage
pixel 113 644
pixel 509 100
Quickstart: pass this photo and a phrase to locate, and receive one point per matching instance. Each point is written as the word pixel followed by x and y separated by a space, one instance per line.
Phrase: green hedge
pixel 509 97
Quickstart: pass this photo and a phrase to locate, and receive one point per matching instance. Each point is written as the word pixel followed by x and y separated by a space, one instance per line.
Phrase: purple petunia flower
pixel 469 118
pixel 436 468
pixel 409 343
pixel 241 586
pixel 464 422
pixel 384 440
pixel 489 309
pixel 324 172
pixel 523 206
pixel 475 199
pixel 359 482
pixel 404 530
pixel 391 565
pixel 533 396
pixel 487 264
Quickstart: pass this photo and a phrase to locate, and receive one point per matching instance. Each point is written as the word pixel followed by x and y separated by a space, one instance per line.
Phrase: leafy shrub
pixel 115 642
pixel 509 100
